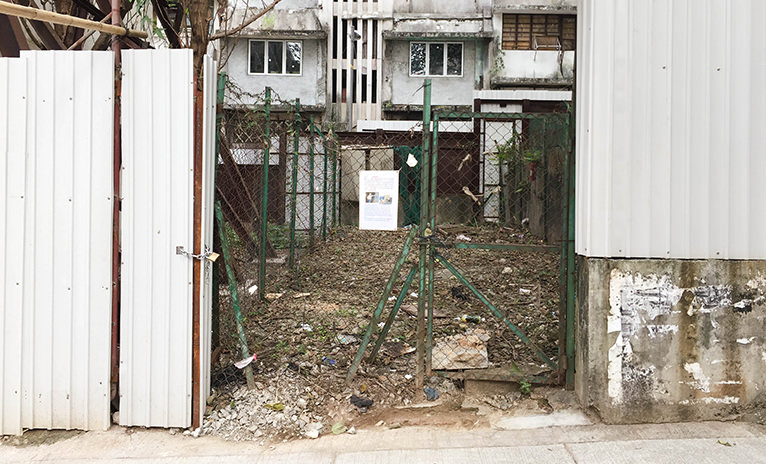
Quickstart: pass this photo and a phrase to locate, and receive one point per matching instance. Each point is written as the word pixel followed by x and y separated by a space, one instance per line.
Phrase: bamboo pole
pixel 20 11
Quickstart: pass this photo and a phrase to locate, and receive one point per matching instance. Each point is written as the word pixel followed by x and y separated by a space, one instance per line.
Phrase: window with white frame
pixel 275 57
pixel 436 59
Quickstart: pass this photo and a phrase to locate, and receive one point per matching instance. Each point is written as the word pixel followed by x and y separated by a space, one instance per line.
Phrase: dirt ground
pixel 308 332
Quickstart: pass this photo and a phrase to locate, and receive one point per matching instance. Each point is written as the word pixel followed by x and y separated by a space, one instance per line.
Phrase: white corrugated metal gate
pixel 671 106
pixel 56 139
pixel 157 223
pixel 56 236
pixel 156 283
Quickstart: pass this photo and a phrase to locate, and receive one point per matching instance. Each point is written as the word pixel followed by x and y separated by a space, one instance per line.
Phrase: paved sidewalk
pixel 697 443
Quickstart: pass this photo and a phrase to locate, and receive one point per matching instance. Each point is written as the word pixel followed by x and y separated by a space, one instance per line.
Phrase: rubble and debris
pixel 461 351
pixel 339 428
pixel 361 402
pixel 431 394
pixel 241 364
pixel 396 349
pixel 463 238
pixel 346 339
pixel 294 365
pixel 459 293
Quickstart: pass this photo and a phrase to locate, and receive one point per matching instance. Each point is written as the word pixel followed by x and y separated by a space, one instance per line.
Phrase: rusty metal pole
pixel 117 165
pixel 197 264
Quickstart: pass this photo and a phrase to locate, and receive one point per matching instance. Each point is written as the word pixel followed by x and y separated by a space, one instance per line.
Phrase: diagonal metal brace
pixel 483 299
pixel 381 304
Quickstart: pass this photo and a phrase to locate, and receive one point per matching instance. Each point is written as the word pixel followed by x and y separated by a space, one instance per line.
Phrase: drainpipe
pixel 350 80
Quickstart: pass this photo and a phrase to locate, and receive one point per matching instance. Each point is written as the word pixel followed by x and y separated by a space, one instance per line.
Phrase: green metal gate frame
pixel 429 254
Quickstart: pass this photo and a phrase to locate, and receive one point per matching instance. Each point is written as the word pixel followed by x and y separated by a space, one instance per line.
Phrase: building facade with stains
pixel 364 62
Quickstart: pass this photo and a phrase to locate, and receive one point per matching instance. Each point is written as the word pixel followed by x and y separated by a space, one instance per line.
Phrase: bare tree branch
pixel 222 34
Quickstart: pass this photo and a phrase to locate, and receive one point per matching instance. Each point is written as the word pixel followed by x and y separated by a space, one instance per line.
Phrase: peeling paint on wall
pixel 653 321
pixel 701 381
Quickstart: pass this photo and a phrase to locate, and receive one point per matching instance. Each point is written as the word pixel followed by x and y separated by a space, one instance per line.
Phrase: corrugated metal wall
pixel 671 146
pixel 56 135
pixel 156 290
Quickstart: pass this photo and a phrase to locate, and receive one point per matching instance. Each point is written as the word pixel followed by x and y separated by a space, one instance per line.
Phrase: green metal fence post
pixel 334 178
pixel 215 325
pixel 424 233
pixel 234 295
pixel 294 182
pixel 265 198
pixel 571 296
pixel 381 303
pixel 324 194
pixel 432 217
pixel 311 184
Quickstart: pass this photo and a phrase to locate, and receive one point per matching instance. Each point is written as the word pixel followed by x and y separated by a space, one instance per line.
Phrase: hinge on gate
pixel 208 254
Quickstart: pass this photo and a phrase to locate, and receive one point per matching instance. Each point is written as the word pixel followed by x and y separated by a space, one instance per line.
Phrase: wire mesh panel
pixel 278 190
pixel 499 216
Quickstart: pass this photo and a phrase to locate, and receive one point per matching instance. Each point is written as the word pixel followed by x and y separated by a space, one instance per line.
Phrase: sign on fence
pixel 378 200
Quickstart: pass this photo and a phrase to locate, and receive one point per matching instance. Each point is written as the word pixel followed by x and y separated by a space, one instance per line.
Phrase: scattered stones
pixel 462 351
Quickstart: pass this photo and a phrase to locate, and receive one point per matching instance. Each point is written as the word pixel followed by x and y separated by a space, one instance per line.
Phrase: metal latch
pixel 208 254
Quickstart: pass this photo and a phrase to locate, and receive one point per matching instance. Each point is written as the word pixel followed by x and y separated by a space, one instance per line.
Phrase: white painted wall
pixel 401 89
pixel 309 86
pixel 671 106
pixel 534 64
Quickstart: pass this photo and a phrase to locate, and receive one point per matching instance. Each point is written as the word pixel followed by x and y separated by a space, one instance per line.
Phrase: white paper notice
pixel 378 200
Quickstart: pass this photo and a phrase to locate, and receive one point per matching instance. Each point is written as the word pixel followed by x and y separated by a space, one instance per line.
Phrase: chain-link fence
pixel 499 216
pixel 496 212
pixel 273 158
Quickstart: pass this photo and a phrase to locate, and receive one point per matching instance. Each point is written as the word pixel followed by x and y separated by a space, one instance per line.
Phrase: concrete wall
pixel 309 86
pixel 533 64
pixel 401 89
pixel 533 5
pixel 296 4
pixel 440 7
pixel 668 340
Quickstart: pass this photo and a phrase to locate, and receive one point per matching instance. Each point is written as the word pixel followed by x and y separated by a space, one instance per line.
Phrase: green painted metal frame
pixel 424 233
pixel 434 152
pixel 234 294
pixel 540 354
pixel 324 193
pixel 215 327
pixel 311 184
pixel 381 303
pixel 456 115
pixel 265 198
pixel 392 315
pixel 334 178
pixel 565 367
pixel 570 254
pixel 294 181
pixel 506 247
